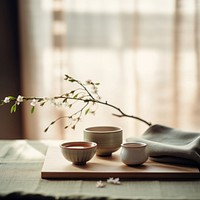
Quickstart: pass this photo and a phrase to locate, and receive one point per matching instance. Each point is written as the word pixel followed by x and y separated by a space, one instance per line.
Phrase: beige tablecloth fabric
pixel 21 162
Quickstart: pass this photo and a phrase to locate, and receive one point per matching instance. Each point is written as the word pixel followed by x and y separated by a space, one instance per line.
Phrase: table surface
pixel 21 162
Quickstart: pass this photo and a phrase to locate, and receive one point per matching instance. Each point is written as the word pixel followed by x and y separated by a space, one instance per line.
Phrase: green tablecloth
pixel 21 162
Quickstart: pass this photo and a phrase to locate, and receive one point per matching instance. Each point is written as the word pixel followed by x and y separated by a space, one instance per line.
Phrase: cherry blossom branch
pixel 88 97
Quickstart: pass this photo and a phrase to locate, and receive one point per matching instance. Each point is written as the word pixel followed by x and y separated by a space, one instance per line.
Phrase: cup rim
pixel 134 145
pixel 103 129
pixel 77 144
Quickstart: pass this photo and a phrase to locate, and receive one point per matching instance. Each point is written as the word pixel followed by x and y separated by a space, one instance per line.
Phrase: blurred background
pixel 145 54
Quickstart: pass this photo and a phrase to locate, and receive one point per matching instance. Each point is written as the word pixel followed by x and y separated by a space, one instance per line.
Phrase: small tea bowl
pixel 133 153
pixel 78 152
pixel 108 138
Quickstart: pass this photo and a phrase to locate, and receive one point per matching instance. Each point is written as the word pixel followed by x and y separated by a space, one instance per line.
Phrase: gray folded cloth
pixel 170 145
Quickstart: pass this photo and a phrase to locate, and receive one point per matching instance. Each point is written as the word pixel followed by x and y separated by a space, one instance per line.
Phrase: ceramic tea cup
pixel 133 153
pixel 78 152
pixel 108 138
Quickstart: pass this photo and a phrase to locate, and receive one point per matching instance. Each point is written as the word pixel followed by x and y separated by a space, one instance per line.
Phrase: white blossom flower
pixel 45 99
pixel 89 81
pixel 6 100
pixel 100 184
pixel 114 181
pixel 65 104
pixel 59 104
pixel 52 101
pixel 19 99
pixel 33 102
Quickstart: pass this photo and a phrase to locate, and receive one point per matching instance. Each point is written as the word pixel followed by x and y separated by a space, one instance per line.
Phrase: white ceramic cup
pixel 108 138
pixel 133 153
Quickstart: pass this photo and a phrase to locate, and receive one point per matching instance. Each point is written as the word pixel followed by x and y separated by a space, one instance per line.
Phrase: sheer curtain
pixel 144 53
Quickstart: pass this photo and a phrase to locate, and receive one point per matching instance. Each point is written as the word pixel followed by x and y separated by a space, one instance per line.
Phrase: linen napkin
pixel 170 145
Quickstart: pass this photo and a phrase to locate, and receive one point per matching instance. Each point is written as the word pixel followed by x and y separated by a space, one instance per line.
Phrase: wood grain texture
pixel 57 167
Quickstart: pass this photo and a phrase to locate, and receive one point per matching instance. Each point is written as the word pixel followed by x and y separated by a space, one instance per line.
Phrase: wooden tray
pixel 57 167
